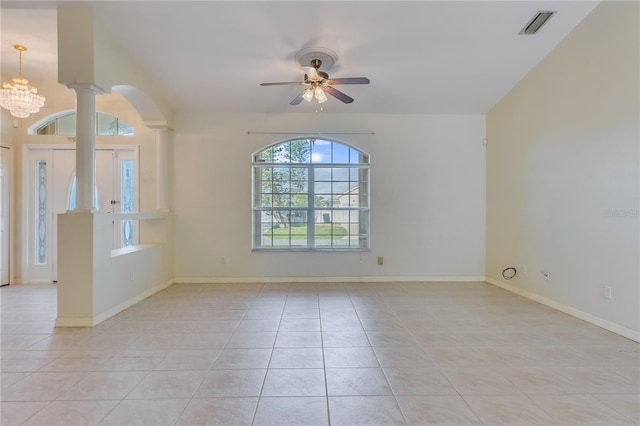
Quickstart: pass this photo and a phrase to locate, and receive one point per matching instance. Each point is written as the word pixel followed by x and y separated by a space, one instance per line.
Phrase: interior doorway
pixel 51 187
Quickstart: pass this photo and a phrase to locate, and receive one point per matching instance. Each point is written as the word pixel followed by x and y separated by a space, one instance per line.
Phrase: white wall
pixel 563 175
pixel 427 195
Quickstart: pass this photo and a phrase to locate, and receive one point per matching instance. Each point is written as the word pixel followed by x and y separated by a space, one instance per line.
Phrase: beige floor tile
pixel 301 312
pixel 579 410
pixel 297 358
pixel 253 326
pixel 343 311
pixel 611 355
pixel 216 326
pixel 223 314
pixel 538 379
pixel 27 354
pixel 204 341
pixel 188 360
pixel 263 314
pixel 292 411
pixel 626 404
pixel 130 364
pixel 300 324
pixel 231 383
pixel 479 381
pixel 365 410
pixel 295 382
pixel 153 341
pixel 196 341
pixel 244 340
pixel 41 386
pixel 350 357
pixel 341 324
pixel 88 354
pixel 65 413
pixel 219 411
pixel 344 339
pixel 599 379
pixel 104 385
pixel 391 338
pixel 437 410
pixel 418 381
pixel 243 358
pixel 357 381
pixel 74 364
pixel 56 342
pixel 376 323
pixel 433 339
pixel 515 410
pixel 403 356
pixel 298 339
pixel 8 379
pixel 28 365
pixel 16 413
pixel 168 385
pixel 140 412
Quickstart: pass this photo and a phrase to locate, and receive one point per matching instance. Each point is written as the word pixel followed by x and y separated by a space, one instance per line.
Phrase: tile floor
pixel 302 354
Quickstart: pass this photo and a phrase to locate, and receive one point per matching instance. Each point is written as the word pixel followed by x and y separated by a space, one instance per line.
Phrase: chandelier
pixel 20 98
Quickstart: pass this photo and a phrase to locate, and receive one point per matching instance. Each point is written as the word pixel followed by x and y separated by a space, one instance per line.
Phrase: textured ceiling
pixel 438 57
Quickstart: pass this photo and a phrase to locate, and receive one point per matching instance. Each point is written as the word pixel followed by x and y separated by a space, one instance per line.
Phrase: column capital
pixel 86 87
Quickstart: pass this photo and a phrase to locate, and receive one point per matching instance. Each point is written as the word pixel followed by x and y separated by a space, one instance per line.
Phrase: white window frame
pixel 363 209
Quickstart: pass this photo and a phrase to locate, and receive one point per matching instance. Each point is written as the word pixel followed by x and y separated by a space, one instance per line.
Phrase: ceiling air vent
pixel 537 22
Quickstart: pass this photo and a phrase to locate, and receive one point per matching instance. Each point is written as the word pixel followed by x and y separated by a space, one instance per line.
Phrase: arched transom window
pixel 311 194
pixel 64 123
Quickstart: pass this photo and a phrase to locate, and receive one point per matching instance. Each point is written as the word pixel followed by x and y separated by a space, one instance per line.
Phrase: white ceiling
pixel 437 57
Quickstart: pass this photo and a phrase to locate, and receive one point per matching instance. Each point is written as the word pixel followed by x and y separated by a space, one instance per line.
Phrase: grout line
pixel 255 413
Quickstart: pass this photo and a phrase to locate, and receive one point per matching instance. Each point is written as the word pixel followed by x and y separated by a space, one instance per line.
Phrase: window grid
pixel 304 200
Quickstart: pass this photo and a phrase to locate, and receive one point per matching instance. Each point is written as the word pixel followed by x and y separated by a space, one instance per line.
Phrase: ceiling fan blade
pixel 352 80
pixel 338 94
pixel 284 83
pixel 298 98
pixel 312 73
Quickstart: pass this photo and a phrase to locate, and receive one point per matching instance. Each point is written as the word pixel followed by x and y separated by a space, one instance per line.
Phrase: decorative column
pixel 162 168
pixel 85 146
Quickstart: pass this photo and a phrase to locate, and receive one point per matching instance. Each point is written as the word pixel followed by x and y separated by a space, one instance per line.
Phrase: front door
pixel 52 192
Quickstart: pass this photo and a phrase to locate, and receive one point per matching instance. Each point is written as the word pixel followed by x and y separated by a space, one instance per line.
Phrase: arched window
pixel 311 194
pixel 65 124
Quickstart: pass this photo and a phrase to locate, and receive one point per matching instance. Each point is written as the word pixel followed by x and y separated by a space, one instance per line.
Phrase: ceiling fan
pixel 318 82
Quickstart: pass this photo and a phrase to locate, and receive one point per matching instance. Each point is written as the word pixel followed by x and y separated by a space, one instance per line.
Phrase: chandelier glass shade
pixel 18 96
pixel 316 91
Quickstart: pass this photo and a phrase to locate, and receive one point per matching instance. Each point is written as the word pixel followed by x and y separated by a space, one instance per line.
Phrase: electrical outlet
pixel 380 260
pixel 226 260
pixel 546 275
pixel 608 292
pixel 524 269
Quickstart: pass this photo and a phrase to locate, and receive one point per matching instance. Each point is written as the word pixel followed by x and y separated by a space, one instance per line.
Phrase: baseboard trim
pixel 91 322
pixel 257 280
pixel 74 322
pixel 592 319
pixel 132 301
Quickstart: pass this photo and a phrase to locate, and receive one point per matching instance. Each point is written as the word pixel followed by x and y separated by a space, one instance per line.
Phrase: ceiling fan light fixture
pixel 18 96
pixel 308 94
pixel 320 95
